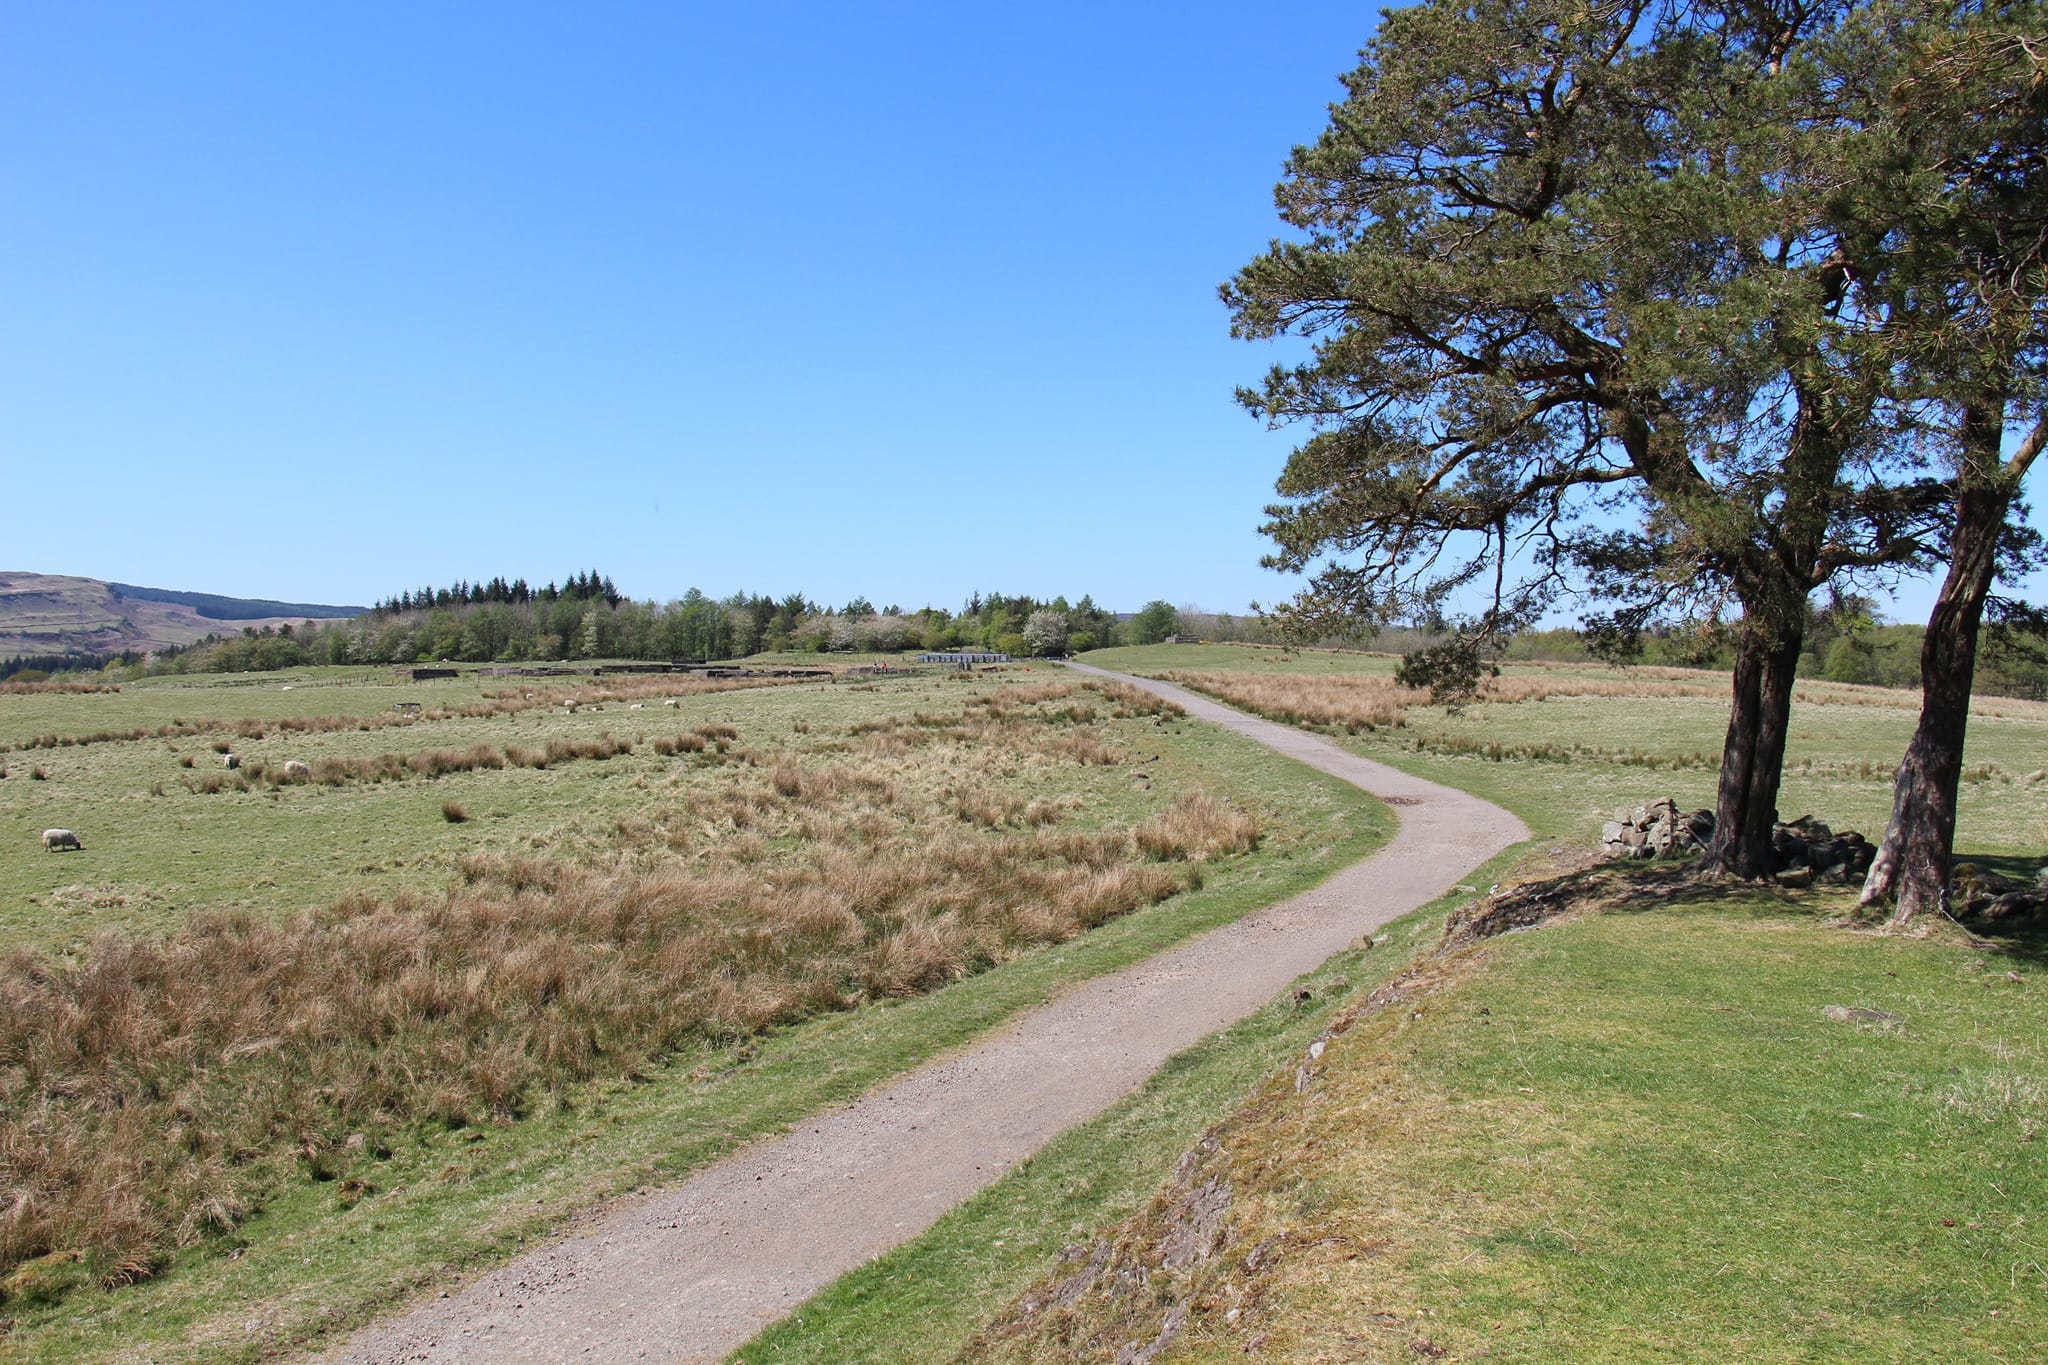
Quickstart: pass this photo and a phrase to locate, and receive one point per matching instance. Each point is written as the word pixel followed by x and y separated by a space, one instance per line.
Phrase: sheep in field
pixel 230 761
pixel 57 840
pixel 295 769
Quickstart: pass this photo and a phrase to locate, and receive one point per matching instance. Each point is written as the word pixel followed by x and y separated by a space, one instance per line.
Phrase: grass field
pixel 1564 745
pixel 792 788
pixel 1630 1135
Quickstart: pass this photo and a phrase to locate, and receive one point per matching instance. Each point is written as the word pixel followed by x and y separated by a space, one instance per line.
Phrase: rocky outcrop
pixel 1805 850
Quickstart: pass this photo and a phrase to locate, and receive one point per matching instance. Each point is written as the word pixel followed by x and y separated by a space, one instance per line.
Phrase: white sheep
pixel 57 840
pixel 230 761
pixel 294 768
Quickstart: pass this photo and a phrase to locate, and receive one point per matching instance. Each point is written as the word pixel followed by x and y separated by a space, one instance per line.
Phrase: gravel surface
pixel 690 1272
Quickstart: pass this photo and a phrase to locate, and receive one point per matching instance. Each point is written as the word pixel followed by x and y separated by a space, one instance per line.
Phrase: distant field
pixel 1591 738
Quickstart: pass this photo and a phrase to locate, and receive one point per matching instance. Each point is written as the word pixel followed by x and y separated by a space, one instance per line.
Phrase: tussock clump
pixel 1128 701
pixel 603 747
pixel 1197 827
pixel 53 686
pixel 1083 748
pixel 1353 703
pixel 454 812
pixel 991 810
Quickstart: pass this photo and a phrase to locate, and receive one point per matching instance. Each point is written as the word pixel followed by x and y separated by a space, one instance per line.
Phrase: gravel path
pixel 690 1272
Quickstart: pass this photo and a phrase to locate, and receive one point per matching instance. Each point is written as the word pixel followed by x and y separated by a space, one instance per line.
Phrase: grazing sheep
pixel 231 761
pixel 637 706
pixel 294 768
pixel 668 701
pixel 59 839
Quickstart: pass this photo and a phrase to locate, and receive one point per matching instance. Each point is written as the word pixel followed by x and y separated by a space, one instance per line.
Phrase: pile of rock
pixel 1977 892
pixel 1657 830
pixel 1805 850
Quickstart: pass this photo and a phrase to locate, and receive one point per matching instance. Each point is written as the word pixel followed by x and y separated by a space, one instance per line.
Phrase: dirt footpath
pixel 690 1272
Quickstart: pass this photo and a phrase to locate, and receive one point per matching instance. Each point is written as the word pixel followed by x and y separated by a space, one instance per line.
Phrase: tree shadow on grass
pixel 1633 888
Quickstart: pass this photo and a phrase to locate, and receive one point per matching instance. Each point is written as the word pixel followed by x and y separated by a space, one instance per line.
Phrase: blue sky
pixel 898 300
pixel 902 300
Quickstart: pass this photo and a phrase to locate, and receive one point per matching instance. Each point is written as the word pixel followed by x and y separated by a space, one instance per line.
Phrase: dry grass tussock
pixel 624 688
pixel 155 1090
pixel 392 767
pixel 16 688
pixel 1351 703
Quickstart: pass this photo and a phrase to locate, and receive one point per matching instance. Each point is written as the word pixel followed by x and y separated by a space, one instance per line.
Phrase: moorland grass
pixel 304 1267
pixel 154 1088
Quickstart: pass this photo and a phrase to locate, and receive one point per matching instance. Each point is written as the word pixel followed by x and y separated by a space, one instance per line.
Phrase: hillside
pixel 54 614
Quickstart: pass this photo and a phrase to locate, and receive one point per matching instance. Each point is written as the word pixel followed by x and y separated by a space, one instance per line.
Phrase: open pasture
pixel 1564 745
pixel 168 829
pixel 352 973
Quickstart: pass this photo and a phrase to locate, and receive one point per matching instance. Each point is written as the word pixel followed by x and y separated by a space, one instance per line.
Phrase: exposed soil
pixel 690 1272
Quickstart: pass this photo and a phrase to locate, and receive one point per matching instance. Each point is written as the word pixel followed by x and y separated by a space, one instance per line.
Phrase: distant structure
pixel 1183 639
pixel 963 658
pixel 429 674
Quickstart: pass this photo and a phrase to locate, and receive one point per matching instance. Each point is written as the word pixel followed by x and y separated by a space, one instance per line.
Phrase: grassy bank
pixel 1633 1135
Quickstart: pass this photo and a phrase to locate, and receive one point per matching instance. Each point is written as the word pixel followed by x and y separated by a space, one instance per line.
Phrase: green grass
pixel 1635 1136
pixel 305 1266
pixel 925 1299
pixel 1690 1084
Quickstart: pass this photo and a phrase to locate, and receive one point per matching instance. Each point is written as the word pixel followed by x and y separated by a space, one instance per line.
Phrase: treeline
pixel 1846 641
pixel 40 667
pixel 497 620
pixel 580 587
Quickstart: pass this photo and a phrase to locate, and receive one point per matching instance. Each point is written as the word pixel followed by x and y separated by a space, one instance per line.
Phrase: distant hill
pixel 218 608
pixel 55 614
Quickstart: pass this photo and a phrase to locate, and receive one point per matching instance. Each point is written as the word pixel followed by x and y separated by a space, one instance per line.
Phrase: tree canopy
pixel 1591 291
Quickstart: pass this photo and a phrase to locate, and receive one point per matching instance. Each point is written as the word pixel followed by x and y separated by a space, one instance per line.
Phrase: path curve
pixel 690 1272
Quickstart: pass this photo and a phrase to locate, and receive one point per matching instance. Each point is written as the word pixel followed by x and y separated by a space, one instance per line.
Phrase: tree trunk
pixel 1914 858
pixel 1753 757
